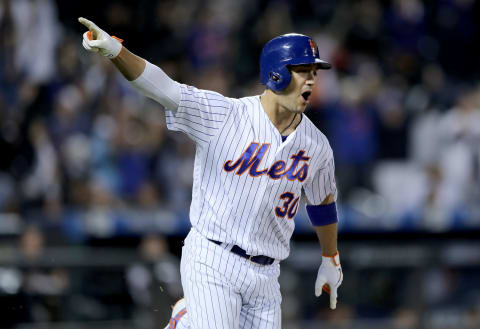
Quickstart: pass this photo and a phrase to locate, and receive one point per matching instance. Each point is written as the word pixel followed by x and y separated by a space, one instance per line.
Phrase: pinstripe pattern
pixel 225 291
pixel 244 207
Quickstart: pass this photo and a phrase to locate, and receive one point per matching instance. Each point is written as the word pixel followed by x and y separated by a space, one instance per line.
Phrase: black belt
pixel 262 260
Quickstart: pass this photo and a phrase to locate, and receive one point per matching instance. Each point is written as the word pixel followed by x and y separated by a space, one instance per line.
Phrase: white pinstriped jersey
pixel 247 182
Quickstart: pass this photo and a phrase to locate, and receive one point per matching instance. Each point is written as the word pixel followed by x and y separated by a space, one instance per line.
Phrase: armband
pixel 322 214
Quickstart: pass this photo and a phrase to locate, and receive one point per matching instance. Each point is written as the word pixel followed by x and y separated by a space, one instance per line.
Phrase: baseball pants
pixel 225 291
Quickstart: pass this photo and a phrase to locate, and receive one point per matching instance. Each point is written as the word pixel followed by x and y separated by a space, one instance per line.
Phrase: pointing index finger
pixel 91 25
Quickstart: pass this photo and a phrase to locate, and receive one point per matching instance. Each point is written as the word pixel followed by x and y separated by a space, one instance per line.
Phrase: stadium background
pixel 94 192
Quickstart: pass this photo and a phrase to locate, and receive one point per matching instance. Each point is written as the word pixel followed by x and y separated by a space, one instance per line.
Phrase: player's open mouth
pixel 306 94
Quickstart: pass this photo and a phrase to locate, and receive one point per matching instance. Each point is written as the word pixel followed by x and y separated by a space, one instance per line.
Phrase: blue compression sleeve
pixel 323 214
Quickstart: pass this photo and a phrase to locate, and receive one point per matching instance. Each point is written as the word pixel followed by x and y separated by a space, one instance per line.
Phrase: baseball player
pixel 256 157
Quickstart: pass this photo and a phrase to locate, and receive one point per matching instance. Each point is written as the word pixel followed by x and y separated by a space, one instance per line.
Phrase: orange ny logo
pixel 313 45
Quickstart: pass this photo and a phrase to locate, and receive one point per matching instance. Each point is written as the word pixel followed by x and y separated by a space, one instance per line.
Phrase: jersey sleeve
pixel 322 183
pixel 200 114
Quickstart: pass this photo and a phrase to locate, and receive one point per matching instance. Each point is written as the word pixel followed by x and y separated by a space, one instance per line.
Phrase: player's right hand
pixel 97 40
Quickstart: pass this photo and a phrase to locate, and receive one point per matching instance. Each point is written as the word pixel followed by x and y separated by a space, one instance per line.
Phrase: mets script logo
pixel 253 155
pixel 313 45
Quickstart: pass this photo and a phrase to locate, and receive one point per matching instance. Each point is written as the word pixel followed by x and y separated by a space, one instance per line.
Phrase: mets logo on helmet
pixel 314 47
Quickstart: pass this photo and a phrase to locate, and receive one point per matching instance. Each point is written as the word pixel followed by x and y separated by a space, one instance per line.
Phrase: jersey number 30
pixel 288 208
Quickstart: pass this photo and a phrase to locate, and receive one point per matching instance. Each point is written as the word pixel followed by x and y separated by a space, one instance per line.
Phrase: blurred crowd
pixel 41 284
pixel 84 155
pixel 81 149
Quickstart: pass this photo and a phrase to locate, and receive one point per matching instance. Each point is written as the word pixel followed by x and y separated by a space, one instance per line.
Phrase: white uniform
pixel 246 191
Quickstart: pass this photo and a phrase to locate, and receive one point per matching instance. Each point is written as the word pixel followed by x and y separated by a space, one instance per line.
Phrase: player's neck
pixel 284 120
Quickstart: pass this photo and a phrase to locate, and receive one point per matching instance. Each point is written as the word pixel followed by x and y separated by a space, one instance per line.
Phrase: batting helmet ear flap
pixel 275 77
pixel 279 79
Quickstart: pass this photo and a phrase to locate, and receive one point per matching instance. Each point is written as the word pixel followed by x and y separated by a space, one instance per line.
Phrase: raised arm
pixel 144 76
pixel 129 64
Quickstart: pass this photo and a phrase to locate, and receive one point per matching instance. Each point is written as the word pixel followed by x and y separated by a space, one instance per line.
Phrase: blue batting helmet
pixel 285 50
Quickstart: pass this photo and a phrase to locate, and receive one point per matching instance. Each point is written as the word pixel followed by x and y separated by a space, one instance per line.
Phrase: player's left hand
pixel 329 278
